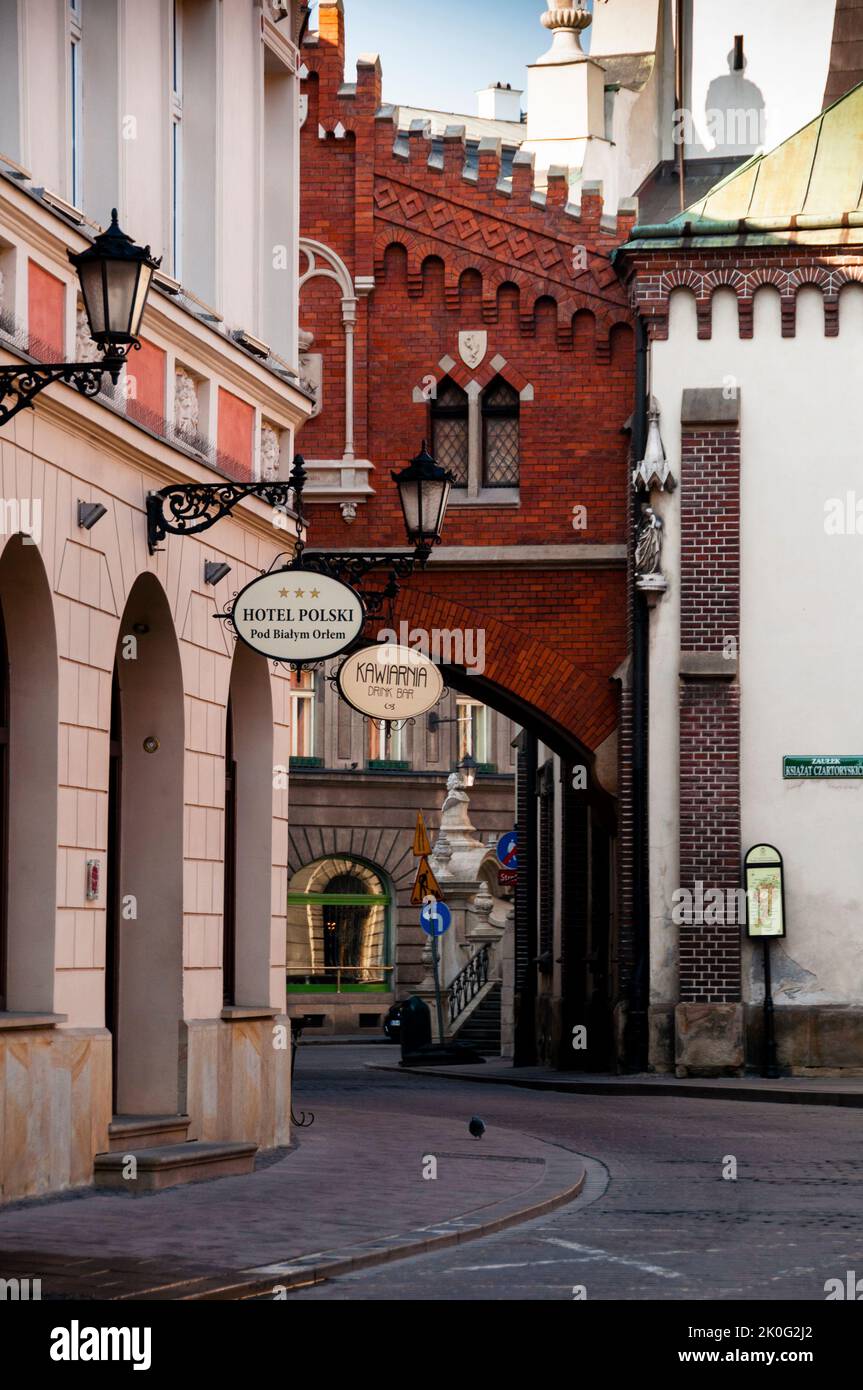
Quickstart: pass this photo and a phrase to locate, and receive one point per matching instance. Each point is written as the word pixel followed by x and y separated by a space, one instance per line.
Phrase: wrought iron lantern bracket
pixel 186 509
pixel 19 386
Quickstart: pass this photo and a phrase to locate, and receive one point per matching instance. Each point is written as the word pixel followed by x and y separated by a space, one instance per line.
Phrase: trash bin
pixel 416 1030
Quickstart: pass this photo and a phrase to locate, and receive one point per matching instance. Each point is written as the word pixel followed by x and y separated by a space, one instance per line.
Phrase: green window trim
pixel 338 899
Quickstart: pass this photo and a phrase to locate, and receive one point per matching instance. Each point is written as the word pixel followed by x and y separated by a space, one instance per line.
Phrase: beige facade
pixel 120 997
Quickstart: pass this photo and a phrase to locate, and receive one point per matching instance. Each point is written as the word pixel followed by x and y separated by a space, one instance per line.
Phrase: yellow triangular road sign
pixel 422 844
pixel 426 884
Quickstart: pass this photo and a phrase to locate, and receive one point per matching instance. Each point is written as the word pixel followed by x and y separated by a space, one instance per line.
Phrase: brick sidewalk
pixel 353 1186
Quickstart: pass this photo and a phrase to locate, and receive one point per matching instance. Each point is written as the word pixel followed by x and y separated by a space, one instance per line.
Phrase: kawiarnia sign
pixel 297 615
pixel 390 682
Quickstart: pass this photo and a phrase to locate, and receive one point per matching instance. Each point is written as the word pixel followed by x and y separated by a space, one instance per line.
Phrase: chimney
pixel 500 102
pixel 565 91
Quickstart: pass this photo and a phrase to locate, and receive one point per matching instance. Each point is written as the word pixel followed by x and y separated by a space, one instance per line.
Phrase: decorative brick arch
pixel 570 708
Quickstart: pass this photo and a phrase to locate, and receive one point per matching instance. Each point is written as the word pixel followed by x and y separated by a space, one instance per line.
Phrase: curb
pixel 694 1090
pixel 562 1166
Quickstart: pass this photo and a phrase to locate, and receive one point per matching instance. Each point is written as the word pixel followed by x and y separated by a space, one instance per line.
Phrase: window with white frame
pixel 386 741
pixel 177 139
pixel 75 112
pixel 302 714
pixel 473 731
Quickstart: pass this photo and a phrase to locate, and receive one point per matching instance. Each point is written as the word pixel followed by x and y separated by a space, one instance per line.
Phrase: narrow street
pixel 657 1220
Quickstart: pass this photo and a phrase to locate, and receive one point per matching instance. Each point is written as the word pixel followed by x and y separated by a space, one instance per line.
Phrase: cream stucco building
pixel 142 757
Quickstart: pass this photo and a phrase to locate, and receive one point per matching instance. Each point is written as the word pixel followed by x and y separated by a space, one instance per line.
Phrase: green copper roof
pixel 809 184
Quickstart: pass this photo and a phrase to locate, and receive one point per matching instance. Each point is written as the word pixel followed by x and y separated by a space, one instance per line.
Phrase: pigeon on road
pixel 476 1127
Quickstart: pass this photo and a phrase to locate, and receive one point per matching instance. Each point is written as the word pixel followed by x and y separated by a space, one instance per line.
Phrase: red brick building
pixel 444 297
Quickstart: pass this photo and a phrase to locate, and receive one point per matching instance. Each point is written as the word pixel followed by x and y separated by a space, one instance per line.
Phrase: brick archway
pixel 571 709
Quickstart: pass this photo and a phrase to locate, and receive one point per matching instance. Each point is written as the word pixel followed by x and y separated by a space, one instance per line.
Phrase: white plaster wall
pixel 232 260
pixel 787 49
pixel 801 655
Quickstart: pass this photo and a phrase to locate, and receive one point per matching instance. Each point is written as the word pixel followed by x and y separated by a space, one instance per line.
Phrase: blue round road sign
pixel 435 919
pixel 507 846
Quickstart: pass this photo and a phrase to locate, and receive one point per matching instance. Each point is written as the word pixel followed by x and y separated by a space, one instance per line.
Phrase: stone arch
pixel 249 877
pixel 573 710
pixel 849 290
pixel 583 330
pixel 32 752
pixel 433 272
pixel 144 951
pixel 621 338
pixel 323 261
pixel 336 859
pixel 394 263
pixel 386 243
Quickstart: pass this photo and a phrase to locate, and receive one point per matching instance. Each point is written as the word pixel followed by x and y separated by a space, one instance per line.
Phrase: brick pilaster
pixel 709 692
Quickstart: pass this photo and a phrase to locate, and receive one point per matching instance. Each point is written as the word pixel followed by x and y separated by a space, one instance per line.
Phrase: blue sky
pixel 438 53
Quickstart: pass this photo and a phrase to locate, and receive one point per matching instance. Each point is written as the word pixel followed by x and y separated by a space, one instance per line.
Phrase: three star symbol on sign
pixel 298 593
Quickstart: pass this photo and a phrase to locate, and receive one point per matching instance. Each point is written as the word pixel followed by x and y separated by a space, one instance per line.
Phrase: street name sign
pixel 834 766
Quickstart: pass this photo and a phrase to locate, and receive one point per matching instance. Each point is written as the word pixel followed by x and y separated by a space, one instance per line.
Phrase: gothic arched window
pixel 500 435
pixel 450 434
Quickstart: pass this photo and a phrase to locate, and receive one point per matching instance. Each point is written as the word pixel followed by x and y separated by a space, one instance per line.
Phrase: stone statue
pixel 648 544
pixel 185 406
pixel 269 452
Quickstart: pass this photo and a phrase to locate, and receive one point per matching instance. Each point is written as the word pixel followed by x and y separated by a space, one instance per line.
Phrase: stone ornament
pixel 85 349
pixel 472 347
pixel 566 23
pixel 186 409
pixel 653 470
pixel 312 378
pixel 270 452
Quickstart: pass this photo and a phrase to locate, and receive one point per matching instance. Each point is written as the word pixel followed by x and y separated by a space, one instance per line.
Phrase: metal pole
pixel 770 1065
pixel 437 998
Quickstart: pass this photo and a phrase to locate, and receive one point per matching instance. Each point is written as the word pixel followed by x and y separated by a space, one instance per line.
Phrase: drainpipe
pixel 678 102
pixel 637 1039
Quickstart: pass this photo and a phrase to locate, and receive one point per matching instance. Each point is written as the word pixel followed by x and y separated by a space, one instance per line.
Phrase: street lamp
pixel 424 489
pixel 114 275
pixel 468 768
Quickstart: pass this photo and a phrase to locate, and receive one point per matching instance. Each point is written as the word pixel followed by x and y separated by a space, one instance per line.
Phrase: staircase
pixel 482 1028
pixel 164 1155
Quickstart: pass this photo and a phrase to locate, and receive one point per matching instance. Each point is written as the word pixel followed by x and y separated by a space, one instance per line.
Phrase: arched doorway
pixel 29 704
pixel 144 917
pixel 248 832
pixel 339 938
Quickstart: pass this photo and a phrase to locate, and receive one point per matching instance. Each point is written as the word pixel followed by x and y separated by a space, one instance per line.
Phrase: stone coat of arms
pixel 472 347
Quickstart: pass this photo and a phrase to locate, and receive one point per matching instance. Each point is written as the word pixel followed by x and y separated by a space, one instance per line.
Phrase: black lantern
pixel 468 768
pixel 424 489
pixel 115 277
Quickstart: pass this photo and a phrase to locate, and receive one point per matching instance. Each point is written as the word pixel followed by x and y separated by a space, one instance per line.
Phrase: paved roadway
pixel 657 1219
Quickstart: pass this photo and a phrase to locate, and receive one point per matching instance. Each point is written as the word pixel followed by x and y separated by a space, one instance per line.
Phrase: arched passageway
pixel 28 780
pixel 144 926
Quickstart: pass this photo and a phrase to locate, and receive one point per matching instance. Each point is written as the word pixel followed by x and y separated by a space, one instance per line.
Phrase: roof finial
pixel 566 23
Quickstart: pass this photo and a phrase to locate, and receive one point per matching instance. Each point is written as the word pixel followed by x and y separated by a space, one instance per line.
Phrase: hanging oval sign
pixel 297 615
pixel 390 682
